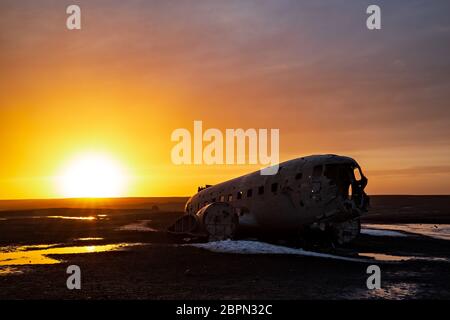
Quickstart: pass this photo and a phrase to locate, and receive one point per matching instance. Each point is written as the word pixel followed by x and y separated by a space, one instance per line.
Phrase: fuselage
pixel 314 189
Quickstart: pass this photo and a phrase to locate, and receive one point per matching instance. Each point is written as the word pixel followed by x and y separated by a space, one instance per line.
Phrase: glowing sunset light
pixel 122 86
pixel 92 176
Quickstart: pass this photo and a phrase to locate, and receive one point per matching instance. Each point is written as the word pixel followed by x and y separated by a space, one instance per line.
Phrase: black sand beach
pixel 159 266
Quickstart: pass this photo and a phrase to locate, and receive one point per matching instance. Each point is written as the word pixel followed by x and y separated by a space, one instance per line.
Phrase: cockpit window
pixel 339 175
pixel 357 174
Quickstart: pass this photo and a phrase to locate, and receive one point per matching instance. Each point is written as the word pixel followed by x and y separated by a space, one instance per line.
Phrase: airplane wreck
pixel 324 193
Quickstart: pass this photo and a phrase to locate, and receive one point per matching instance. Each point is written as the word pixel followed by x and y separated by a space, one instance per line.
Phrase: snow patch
pixel 257 247
pixel 141 226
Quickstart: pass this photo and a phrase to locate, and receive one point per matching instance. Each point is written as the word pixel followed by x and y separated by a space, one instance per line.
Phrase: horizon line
pixel 187 196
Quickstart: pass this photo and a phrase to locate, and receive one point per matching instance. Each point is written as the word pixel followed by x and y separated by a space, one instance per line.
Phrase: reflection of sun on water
pixel 92 176
pixel 38 254
pixel 71 218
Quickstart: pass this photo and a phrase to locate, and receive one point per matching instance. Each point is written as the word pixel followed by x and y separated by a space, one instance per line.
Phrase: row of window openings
pixel 273 188
pixel 239 194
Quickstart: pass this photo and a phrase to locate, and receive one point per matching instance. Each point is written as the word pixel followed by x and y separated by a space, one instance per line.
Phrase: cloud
pixel 310 68
pixel 414 171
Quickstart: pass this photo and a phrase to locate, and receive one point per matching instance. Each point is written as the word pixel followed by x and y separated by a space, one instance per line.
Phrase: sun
pixel 92 176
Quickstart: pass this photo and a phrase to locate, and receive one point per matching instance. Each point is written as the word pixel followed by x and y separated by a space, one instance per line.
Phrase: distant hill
pixel 383 208
pixel 161 203
pixel 408 209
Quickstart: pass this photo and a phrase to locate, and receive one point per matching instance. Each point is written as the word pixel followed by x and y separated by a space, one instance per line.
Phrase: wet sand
pixel 159 266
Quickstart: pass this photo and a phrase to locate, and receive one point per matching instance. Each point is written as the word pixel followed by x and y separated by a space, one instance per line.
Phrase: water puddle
pixel 396 292
pixel 385 257
pixel 71 218
pixel 38 254
pixel 437 231
pixel 397 258
pixel 89 239
pixel 382 233
pixel 6 271
pixel 81 218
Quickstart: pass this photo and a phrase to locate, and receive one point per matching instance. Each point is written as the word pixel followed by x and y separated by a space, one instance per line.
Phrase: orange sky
pixel 138 70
